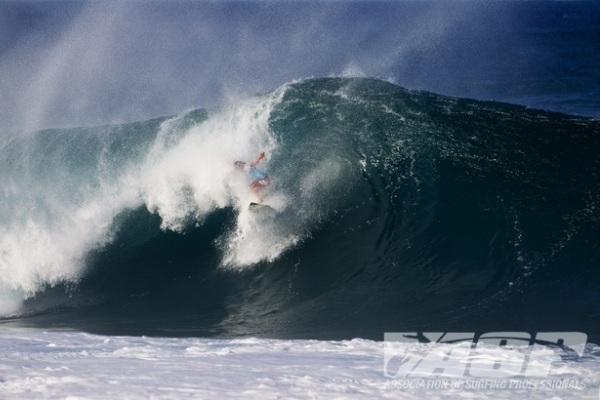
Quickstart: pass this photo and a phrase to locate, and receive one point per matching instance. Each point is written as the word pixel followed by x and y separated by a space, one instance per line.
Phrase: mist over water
pixel 68 64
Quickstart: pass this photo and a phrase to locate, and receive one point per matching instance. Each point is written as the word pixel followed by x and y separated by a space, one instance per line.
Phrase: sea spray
pixel 62 190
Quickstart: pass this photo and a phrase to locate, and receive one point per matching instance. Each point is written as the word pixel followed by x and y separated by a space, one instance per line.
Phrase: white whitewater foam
pixel 188 178
pixel 185 174
pixel 35 364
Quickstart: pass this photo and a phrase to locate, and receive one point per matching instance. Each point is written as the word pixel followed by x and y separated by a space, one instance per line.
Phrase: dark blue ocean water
pixel 400 205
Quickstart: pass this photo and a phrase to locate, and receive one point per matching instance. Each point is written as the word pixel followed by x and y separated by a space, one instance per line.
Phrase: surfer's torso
pixel 254 173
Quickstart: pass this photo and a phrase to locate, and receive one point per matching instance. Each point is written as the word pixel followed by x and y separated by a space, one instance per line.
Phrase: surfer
pixel 260 179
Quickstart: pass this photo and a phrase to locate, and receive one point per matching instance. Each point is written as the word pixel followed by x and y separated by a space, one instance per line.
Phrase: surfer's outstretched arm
pixel 261 155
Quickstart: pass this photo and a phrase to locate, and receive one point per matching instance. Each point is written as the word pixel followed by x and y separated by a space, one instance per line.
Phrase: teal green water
pixel 397 210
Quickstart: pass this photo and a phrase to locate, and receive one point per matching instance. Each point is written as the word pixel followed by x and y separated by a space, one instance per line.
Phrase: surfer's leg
pixel 254 186
pixel 257 185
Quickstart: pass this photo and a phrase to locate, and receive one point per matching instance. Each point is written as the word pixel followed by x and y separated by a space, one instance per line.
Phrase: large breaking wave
pixel 396 210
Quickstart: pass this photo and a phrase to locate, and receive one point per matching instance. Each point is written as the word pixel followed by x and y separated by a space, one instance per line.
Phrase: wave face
pixel 396 211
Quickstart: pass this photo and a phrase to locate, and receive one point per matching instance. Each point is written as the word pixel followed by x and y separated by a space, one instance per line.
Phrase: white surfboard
pixel 260 208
